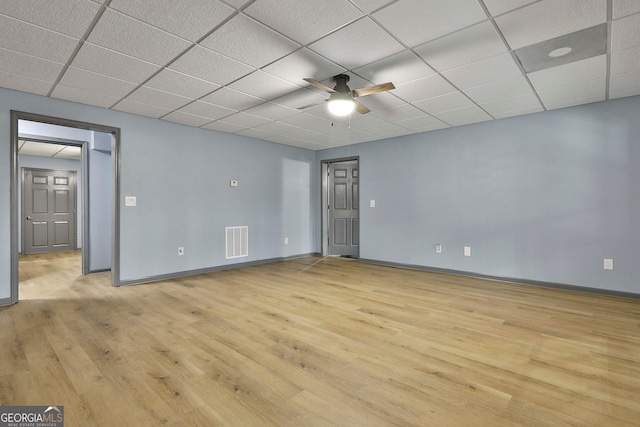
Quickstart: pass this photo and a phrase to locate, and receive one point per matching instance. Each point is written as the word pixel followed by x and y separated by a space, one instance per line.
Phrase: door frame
pixel 23 221
pixel 14 172
pixel 324 199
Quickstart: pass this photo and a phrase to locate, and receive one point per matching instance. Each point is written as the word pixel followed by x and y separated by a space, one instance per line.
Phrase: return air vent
pixel 237 241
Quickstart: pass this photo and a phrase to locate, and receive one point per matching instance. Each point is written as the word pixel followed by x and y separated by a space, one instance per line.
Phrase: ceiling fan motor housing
pixel 341 83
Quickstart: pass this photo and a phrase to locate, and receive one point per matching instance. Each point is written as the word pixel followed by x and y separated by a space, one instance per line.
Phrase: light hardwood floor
pixel 338 344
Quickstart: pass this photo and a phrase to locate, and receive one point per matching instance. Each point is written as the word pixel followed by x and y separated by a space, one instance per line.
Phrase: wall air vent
pixel 237 241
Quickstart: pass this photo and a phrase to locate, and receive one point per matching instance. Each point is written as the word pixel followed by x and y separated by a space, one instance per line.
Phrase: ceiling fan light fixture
pixel 341 104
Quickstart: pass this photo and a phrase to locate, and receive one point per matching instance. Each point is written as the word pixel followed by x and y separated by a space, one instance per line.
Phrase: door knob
pixel 29 218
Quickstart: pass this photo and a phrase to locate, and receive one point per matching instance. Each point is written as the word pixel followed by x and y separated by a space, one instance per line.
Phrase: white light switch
pixel 438 248
pixel 608 264
pixel 372 203
pixel 286 240
pixel 467 251
pixel 130 201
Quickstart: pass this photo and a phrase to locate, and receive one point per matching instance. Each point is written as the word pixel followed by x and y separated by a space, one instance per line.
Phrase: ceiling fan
pixel 342 100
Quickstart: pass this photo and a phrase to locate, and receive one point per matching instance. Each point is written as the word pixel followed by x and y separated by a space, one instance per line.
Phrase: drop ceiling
pixel 237 66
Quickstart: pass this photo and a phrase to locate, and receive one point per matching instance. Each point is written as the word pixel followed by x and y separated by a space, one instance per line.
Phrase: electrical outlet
pixel 467 251
pixel 608 264
pixel 286 240
pixel 438 248
pixel 180 251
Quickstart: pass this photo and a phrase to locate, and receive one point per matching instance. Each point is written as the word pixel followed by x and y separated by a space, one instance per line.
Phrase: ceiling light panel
pixel 358 43
pixel 190 19
pixel 434 18
pixel 126 35
pixel 546 20
pixel 463 47
pixel 301 20
pixel 250 42
pixel 70 17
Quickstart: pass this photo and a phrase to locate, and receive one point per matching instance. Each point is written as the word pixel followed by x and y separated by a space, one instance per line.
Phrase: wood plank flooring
pixel 338 344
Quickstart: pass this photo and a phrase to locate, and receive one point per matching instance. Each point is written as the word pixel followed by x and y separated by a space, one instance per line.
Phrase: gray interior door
pixel 49 211
pixel 343 209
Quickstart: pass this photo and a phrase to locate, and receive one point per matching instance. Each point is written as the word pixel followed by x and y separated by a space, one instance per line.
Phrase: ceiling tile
pixel 625 33
pixel 32 148
pixel 512 113
pixel 625 7
pixel 190 19
pixel 23 83
pixel 186 119
pixel 514 86
pixel 574 102
pixel 204 109
pixel 359 43
pixel 300 98
pixel 244 119
pixel 223 126
pixel 433 18
pixel 548 19
pixel 70 17
pixel 587 69
pixel 361 121
pixel 263 85
pixel 464 116
pixel 368 6
pixel 626 60
pixel 381 101
pixel 254 133
pixel 438 104
pixel 424 88
pixel 208 65
pixel 626 81
pixel 498 7
pixel 624 93
pixel 181 84
pixel 463 47
pixel 233 99
pixel 303 63
pixel 512 104
pixel 422 124
pixel 35 41
pixel 88 80
pixel 104 61
pixel 147 95
pixel 398 69
pixel 302 20
pixel 140 109
pixel 402 112
pixel 272 111
pixel 490 70
pixel 583 89
pixel 69 152
pixel 388 130
pixel 126 35
pixel 83 96
pixel 250 42
pixel 307 121
pixel 277 128
pixel 29 66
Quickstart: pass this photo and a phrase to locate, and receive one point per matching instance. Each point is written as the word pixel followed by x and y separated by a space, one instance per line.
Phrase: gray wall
pixel 180 176
pixel 542 197
pixel 100 170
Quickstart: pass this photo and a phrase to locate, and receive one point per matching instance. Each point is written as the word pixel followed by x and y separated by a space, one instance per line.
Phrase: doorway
pixel 113 196
pixel 341 207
